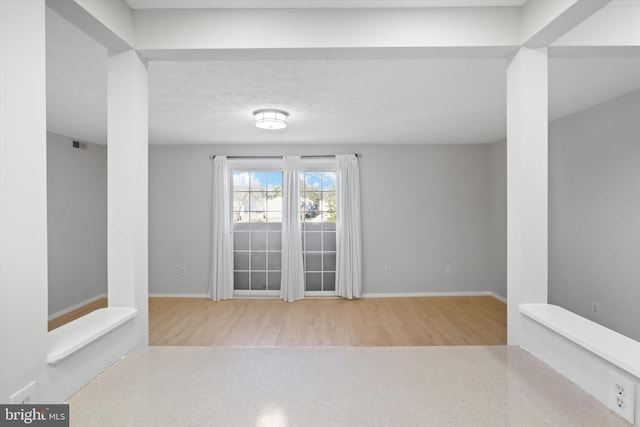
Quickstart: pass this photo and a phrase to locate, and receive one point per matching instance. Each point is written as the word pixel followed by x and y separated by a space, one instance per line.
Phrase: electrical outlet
pixel 387 270
pixel 622 396
pixel 183 270
pixel 27 395
pixel 595 308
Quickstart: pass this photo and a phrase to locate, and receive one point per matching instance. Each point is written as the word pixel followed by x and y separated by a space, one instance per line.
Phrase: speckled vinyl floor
pixel 334 386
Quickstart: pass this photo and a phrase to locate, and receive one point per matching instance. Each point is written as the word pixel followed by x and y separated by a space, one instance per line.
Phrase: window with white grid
pixel 257 230
pixel 257 226
pixel 318 212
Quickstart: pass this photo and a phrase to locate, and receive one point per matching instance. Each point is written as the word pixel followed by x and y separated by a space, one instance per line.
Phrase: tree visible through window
pixel 318 211
pixel 257 229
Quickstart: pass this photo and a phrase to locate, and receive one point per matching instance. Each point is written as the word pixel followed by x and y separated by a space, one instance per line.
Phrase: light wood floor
pixel 412 321
pixel 79 312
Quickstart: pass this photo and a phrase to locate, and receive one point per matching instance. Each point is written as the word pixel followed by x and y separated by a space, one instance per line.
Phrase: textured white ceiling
pixel 340 101
pixel 330 101
pixel 578 83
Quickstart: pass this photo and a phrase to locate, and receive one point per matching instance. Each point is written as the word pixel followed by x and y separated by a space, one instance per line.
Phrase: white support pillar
pixel 23 194
pixel 127 182
pixel 527 168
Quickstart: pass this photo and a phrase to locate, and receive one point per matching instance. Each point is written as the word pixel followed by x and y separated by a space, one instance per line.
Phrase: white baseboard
pixel 498 297
pixel 76 306
pixel 276 294
pixel 256 294
pixel 320 294
pixel 434 294
pixel 178 295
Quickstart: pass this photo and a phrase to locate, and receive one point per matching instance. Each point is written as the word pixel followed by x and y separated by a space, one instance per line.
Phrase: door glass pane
pixel 318 214
pixel 257 230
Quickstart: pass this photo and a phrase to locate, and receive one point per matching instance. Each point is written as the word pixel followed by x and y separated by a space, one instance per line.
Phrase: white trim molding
pixel 76 306
pixel 274 294
pixel 587 353
pixel 72 337
pixel 178 296
pixel 434 294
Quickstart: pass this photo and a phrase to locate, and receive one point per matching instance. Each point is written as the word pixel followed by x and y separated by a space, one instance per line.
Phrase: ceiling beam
pixel 378 53
pixel 544 21
pixel 314 4
pixel 221 29
pixel 110 22
pixel 616 25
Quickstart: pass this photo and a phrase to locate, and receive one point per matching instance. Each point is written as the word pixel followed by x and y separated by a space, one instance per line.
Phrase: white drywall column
pixel 23 194
pixel 527 157
pixel 127 154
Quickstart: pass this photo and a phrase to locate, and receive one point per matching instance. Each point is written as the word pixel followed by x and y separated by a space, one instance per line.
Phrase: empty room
pixel 301 212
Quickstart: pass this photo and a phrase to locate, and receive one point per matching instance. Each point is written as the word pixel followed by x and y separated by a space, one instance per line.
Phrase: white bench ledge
pixel 69 338
pixel 616 348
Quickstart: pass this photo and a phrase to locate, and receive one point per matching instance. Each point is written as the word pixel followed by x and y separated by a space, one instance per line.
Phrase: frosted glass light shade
pixel 271 119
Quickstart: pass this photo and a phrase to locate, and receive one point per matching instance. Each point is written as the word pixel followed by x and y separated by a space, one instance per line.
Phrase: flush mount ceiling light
pixel 271 119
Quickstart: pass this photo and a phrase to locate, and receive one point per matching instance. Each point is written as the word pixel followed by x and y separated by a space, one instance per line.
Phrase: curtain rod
pixel 319 156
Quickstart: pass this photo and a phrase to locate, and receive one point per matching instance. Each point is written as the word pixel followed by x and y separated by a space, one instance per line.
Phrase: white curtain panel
pixel 221 274
pixel 292 284
pixel 349 250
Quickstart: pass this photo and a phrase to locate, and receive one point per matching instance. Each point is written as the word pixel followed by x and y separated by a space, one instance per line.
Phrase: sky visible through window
pixel 272 181
pixel 266 181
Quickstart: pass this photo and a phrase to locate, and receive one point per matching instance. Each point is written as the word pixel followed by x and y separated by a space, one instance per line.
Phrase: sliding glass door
pixel 257 228
pixel 318 212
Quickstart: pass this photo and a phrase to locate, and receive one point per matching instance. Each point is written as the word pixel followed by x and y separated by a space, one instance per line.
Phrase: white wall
pixel 594 213
pixel 498 216
pixel 424 207
pixel 23 197
pixel 77 222
pixel 24 341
